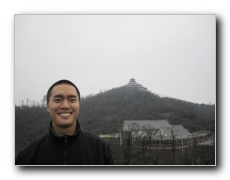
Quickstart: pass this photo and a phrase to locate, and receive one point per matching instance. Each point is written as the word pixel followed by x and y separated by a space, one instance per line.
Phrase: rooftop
pixel 153 124
pixel 134 84
pixel 166 129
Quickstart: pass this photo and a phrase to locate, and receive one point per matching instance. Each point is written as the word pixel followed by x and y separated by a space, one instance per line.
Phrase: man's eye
pixel 57 99
pixel 73 99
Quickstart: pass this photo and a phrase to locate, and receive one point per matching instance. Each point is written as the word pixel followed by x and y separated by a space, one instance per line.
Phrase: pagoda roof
pixel 133 83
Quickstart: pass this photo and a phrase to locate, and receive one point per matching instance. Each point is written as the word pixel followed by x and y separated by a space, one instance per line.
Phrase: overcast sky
pixel 170 55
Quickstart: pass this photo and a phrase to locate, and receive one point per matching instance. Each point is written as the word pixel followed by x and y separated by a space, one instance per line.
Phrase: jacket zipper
pixel 65 150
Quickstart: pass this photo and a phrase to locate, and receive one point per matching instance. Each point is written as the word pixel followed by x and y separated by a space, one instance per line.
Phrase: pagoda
pixel 133 84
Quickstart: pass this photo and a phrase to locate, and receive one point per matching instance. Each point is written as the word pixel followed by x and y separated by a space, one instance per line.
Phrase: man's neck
pixel 62 131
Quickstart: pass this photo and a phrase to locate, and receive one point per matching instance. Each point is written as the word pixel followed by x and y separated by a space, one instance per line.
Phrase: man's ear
pixel 47 107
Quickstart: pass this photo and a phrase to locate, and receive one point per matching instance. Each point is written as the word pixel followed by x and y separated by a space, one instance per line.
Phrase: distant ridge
pixel 106 111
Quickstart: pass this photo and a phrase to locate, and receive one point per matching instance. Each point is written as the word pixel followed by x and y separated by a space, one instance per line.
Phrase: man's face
pixel 63 105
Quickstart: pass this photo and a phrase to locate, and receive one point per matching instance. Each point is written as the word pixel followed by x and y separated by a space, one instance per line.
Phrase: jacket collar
pixel 69 139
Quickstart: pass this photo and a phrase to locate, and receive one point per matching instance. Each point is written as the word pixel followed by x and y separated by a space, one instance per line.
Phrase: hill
pixel 106 111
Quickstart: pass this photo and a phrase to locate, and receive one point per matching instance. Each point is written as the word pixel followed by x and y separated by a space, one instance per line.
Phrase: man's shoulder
pixel 91 136
pixel 35 143
pixel 32 146
pixel 98 147
pixel 27 153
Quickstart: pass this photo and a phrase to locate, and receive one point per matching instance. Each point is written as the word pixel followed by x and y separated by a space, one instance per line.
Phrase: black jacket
pixel 83 148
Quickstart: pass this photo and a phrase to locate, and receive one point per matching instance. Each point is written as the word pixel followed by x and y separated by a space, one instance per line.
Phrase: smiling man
pixel 63 104
pixel 65 143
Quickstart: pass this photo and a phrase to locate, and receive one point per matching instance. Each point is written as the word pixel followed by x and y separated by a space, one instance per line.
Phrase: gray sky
pixel 171 55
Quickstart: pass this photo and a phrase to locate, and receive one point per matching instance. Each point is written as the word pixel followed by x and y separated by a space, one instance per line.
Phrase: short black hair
pixel 63 81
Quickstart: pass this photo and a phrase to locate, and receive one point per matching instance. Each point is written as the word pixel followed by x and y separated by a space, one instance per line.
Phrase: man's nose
pixel 65 104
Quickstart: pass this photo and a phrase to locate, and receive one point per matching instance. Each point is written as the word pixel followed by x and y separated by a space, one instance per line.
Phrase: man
pixel 65 143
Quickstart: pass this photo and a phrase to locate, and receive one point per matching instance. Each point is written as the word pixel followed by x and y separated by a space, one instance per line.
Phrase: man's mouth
pixel 66 114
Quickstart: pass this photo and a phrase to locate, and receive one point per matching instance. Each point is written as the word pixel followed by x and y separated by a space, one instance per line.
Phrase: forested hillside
pixel 106 111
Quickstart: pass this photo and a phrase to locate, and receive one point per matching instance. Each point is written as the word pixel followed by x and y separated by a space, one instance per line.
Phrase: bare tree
pixel 130 138
pixel 173 139
pixel 137 143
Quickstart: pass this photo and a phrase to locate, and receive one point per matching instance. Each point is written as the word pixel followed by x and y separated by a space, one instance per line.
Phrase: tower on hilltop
pixel 133 84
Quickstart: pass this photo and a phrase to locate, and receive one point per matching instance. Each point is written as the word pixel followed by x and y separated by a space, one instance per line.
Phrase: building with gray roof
pixel 158 133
